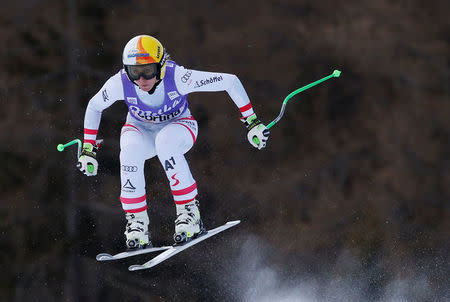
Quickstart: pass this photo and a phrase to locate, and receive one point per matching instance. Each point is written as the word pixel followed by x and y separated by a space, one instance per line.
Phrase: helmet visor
pixel 147 71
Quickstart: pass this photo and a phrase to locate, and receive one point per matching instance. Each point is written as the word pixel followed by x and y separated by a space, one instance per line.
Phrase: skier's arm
pixel 105 97
pixel 189 81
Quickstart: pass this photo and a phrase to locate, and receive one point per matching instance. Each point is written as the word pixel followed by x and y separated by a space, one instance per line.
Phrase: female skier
pixel 159 123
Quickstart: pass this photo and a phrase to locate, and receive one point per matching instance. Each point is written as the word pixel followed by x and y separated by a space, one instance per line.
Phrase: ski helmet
pixel 144 56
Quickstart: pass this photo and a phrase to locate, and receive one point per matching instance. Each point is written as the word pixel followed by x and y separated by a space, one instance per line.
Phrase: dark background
pixel 348 202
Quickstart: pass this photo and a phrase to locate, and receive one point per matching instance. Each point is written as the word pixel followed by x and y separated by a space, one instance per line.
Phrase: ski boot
pixel 188 224
pixel 136 231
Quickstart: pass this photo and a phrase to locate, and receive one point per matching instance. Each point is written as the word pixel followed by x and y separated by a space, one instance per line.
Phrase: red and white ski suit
pixel 168 137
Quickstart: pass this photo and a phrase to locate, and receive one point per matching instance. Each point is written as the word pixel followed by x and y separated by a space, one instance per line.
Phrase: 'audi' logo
pixel 129 168
pixel 186 76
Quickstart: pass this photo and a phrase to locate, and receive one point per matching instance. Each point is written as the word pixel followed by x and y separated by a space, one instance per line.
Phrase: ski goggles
pixel 147 71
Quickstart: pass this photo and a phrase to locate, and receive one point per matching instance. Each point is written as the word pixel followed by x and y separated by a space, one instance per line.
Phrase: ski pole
pixel 336 74
pixel 61 147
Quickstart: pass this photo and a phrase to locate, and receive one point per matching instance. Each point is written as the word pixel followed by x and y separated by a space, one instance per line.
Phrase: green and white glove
pixel 258 134
pixel 87 163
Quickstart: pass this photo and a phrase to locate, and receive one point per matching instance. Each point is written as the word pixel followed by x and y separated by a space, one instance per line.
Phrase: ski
pixel 106 256
pixel 172 251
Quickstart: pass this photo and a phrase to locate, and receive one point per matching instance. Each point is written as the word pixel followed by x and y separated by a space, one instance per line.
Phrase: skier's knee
pixel 131 151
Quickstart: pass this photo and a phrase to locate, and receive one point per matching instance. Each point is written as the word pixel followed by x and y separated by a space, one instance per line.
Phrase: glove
pixel 87 163
pixel 258 134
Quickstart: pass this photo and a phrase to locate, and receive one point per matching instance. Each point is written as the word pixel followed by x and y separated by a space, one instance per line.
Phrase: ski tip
pixel 135 267
pixel 103 257
pixel 234 222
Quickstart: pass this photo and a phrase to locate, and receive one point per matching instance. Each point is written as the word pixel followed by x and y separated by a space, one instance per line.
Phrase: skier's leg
pixel 171 143
pixel 134 150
